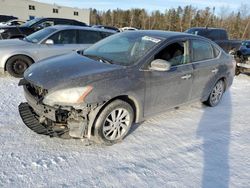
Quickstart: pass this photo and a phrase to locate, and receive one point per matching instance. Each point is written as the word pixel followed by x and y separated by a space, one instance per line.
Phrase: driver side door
pixel 168 89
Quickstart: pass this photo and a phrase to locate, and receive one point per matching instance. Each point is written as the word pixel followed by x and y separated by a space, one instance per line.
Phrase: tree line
pixel 237 23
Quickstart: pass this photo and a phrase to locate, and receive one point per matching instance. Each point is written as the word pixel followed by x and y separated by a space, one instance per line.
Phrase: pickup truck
pixel 217 35
pixel 11 32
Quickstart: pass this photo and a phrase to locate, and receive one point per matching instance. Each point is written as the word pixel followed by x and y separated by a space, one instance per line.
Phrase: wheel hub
pixel 116 124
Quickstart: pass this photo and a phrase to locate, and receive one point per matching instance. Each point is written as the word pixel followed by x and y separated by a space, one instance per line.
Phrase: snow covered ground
pixel 194 146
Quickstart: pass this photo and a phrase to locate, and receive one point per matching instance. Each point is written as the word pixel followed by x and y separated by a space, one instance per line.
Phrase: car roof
pixel 64 27
pixel 208 28
pixel 166 34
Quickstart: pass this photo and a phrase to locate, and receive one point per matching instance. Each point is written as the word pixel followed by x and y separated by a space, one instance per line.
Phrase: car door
pixel 206 66
pixel 64 41
pixel 170 88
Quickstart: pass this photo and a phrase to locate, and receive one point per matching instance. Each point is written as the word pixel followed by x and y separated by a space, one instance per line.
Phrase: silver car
pixel 16 55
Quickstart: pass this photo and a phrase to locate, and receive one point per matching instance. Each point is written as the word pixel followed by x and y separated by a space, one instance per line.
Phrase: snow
pixel 194 146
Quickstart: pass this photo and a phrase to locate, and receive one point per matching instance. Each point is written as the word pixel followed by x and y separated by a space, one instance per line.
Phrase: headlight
pixel 72 96
pixel 1 31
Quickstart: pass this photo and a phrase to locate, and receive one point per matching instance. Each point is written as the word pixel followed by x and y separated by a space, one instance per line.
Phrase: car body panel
pixel 161 84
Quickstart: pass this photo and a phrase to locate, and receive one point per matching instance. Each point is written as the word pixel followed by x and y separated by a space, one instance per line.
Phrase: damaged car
pixel 242 58
pixel 99 93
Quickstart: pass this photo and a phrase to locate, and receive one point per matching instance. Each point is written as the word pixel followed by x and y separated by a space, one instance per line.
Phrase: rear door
pixel 206 66
pixel 170 88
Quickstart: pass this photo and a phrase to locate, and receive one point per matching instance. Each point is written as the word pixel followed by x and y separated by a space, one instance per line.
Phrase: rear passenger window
pixel 202 50
pixel 89 37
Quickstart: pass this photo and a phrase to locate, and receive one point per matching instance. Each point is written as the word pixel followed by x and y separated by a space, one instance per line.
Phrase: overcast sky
pixel 148 4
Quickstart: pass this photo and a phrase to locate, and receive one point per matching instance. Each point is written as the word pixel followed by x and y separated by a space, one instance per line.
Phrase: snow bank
pixel 194 146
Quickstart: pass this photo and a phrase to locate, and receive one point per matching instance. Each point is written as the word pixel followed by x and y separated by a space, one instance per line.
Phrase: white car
pixel 12 22
pixel 128 29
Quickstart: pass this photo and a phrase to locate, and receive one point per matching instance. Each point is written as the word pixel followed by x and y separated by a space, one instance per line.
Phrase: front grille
pixel 36 91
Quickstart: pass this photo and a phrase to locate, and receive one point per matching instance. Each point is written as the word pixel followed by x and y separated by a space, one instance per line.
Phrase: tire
pixel 16 65
pixel 109 128
pixel 216 94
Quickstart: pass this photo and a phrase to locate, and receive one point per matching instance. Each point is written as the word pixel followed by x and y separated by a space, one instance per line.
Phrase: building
pixel 28 9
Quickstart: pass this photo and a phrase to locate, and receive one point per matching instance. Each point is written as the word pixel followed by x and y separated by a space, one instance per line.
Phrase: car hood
pixel 13 42
pixel 68 70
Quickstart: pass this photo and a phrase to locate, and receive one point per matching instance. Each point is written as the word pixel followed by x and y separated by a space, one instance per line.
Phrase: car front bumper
pixel 53 121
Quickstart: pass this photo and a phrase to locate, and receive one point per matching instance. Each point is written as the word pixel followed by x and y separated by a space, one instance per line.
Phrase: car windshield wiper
pixel 100 58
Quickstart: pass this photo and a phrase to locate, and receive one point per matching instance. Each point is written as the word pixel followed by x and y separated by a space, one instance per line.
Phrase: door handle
pixel 214 70
pixel 186 77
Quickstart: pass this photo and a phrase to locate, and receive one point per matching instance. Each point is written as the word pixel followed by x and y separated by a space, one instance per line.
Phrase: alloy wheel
pixel 116 124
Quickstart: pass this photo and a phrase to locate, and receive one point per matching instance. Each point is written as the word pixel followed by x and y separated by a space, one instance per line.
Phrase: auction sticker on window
pixel 152 39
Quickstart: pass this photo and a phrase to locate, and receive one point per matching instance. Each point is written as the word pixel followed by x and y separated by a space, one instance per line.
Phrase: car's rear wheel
pixel 216 94
pixel 114 122
pixel 16 65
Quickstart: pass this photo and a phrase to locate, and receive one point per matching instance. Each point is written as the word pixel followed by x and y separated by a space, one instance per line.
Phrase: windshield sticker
pixel 154 40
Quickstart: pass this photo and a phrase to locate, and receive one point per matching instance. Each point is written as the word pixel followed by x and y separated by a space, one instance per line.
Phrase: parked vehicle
pixel 16 55
pixel 242 57
pixel 10 32
pixel 245 48
pixel 12 23
pixel 128 29
pixel 5 18
pixel 106 27
pixel 217 35
pixel 100 92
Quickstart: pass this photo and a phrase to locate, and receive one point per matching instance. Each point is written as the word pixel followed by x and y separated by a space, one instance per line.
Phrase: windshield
pixel 123 49
pixel 31 22
pixel 39 35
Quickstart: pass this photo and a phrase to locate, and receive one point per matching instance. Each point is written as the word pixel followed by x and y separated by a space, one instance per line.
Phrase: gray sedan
pixel 100 92
pixel 16 55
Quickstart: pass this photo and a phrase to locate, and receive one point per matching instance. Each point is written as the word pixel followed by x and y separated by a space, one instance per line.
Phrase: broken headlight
pixel 68 97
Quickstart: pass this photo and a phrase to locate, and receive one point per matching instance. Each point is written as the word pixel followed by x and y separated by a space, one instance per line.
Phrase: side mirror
pixel 160 65
pixel 49 42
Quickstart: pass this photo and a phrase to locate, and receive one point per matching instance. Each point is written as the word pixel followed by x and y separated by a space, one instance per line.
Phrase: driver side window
pixel 175 53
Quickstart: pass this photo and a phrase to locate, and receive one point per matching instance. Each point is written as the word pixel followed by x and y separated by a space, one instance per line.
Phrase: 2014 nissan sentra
pixel 100 92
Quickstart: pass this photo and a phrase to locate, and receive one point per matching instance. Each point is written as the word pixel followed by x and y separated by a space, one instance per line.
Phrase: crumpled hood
pixel 68 70
pixel 13 43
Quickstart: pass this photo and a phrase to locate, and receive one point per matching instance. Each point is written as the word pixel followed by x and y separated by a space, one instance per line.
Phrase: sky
pixel 149 5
